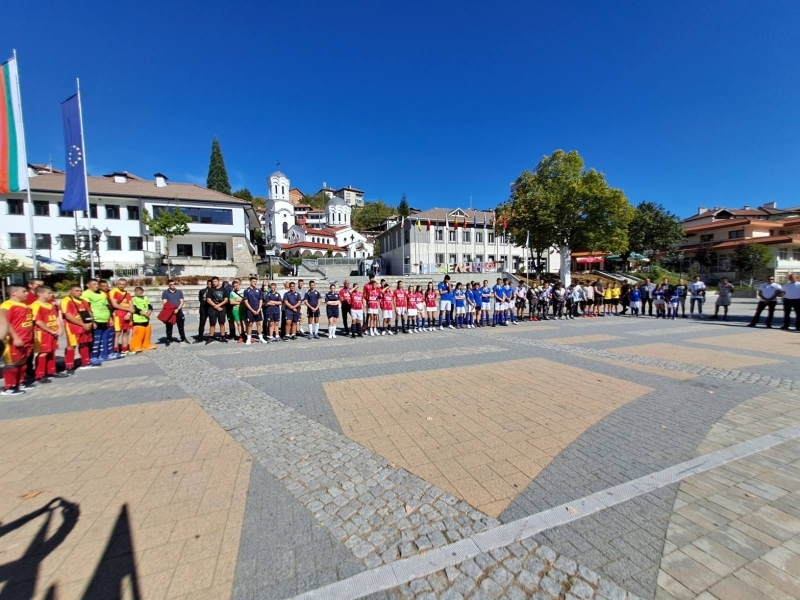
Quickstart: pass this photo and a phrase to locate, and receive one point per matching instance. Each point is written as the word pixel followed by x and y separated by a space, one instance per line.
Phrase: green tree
pixel 372 214
pixel 217 173
pixel 749 259
pixel 8 266
pixel 259 202
pixel 79 261
pixel 317 201
pixel 653 231
pixel 243 194
pixel 403 209
pixel 564 205
pixel 168 223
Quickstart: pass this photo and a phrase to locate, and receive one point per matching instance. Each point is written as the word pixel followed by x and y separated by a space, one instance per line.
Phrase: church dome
pixel 278 174
pixel 336 201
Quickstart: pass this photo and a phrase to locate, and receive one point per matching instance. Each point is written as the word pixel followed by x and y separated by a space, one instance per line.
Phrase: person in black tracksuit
pixel 201 329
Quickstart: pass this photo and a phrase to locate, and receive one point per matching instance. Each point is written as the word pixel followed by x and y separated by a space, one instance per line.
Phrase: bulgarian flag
pixel 13 162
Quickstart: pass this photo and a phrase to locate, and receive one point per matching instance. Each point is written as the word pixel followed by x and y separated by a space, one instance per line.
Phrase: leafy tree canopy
pixel 372 214
pixel 749 259
pixel 653 231
pixel 317 201
pixel 167 224
pixel 243 194
pixel 564 205
pixel 217 173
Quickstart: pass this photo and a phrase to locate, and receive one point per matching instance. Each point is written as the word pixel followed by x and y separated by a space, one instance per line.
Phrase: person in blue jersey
pixel 477 296
pixel 636 300
pixel 312 301
pixel 460 300
pixel 332 303
pixel 508 294
pixel 486 303
pixel 253 303
pixel 445 302
pixel 471 303
pixel 273 303
pixel 498 297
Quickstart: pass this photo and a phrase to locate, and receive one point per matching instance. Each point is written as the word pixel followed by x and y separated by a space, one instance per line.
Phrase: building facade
pixel 220 224
pixel 712 235
pixel 443 240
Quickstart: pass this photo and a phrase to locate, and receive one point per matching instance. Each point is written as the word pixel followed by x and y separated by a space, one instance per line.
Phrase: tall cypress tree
pixel 217 173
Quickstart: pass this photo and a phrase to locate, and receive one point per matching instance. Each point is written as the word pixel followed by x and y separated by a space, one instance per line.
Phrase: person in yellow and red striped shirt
pixel 47 329
pixel 19 341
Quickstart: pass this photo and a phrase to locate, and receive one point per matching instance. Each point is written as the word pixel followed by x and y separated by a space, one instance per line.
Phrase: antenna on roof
pixel 470 201
pixel 278 165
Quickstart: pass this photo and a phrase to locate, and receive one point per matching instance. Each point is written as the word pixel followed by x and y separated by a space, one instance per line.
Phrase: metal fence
pixel 436 268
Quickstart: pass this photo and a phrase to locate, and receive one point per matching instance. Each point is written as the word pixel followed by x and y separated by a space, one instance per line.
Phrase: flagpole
pixel 86 181
pixel 30 200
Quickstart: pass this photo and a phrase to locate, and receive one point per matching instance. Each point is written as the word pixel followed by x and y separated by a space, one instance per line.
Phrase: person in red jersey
pixel 77 316
pixel 344 301
pixel 19 342
pixel 356 310
pixel 373 308
pixel 387 307
pixel 413 310
pixel 430 305
pixel 401 304
pixel 30 294
pixel 122 303
pixel 47 329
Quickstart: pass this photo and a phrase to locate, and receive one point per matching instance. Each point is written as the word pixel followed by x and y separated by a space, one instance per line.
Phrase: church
pixel 296 238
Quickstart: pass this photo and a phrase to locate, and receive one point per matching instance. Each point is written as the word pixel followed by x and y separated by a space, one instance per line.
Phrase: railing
pixel 436 268
pixel 334 261
pixel 312 266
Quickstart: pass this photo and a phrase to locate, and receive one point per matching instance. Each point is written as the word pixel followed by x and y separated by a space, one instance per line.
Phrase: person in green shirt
pixel 101 314
pixel 142 330
pixel 235 298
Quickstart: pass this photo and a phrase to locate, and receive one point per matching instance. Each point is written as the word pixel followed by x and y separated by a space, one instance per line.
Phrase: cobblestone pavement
pixel 408 455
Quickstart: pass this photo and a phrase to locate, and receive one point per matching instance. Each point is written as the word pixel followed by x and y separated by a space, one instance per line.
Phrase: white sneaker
pixel 441 328
pixel 247 341
pixel 262 340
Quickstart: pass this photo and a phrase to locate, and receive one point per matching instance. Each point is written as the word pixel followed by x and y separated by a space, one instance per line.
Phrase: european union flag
pixel 75 188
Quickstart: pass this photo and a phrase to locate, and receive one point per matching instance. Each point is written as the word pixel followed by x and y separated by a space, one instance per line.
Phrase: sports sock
pixel 41 365
pixel 10 377
pixel 51 363
pixel 69 358
pixel 440 319
pixel 21 371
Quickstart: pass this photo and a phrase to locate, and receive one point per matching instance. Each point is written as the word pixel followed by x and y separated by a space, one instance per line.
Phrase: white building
pixel 352 196
pixel 280 210
pixel 220 227
pixel 442 240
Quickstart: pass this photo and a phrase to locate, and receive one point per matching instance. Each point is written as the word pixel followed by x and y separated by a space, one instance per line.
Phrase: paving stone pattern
pixel 377 511
pixel 521 570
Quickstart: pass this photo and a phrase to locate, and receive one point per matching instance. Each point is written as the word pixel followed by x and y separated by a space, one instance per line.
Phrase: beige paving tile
pixel 643 368
pixel 761 340
pixel 485 447
pixel 582 339
pixel 696 356
pixel 179 478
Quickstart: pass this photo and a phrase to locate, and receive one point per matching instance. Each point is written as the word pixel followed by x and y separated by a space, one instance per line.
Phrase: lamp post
pixel 97 237
pixel 680 264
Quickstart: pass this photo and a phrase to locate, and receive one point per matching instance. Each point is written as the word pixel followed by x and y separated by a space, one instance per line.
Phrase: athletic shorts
pixel 420 307
pixel 273 317
pixel 599 301
pixel 312 313
pixel 520 303
pixel 16 356
pixel 412 312
pixel 486 305
pixel 357 314
pixel 292 315
pixel 461 310
pixel 401 310
pixel 589 301
pixel 332 312
pixel 254 318
pixel 498 306
pixel 78 336
pixel 637 304
pixel 120 324
pixel 216 317
pixel 430 309
pixel 444 305
pixel 373 311
pixel 387 314
pixel 48 343
pixel 722 301
pixel 237 316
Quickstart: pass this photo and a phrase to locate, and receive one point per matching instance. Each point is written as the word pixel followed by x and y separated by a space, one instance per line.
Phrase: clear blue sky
pixel 684 103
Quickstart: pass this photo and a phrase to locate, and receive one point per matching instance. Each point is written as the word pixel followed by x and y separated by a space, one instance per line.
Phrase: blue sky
pixel 684 103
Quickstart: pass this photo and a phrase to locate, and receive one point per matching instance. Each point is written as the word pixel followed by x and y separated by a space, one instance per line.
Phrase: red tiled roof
pixel 312 245
pixel 717 225
pixel 767 240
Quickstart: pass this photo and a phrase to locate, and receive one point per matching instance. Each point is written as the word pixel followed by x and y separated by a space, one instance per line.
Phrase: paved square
pixel 481 440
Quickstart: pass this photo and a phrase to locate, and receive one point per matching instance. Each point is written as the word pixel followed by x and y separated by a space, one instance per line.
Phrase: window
pixel 735 235
pixel 479 258
pixel 451 235
pixel 504 239
pixel 93 210
pixel 782 253
pixel 41 208
pixel 68 242
pixel 212 216
pixel 452 259
pixel 16 241
pixel 466 237
pixel 285 228
pixel 439 258
pixel 65 213
pixel 706 237
pixel 43 241
pixel 478 237
pixel 135 243
pixel 283 190
pixel 16 207
pixel 114 242
pixel 491 258
pixel 407 236
pixel 439 235
pixel 133 213
pixel 796 254
pixel 158 247
pixel 112 211
pixel 468 258
pixel 491 238
pixel 184 250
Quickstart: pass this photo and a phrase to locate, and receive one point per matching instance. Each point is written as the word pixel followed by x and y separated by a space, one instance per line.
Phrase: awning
pixel 26 264
pixel 588 259
pixel 633 256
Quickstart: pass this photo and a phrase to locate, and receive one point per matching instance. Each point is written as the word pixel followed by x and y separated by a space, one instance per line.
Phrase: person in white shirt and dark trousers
pixel 791 302
pixel 768 294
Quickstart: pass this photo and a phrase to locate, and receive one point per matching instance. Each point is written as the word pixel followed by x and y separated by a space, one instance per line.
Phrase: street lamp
pixel 680 264
pixel 94 240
